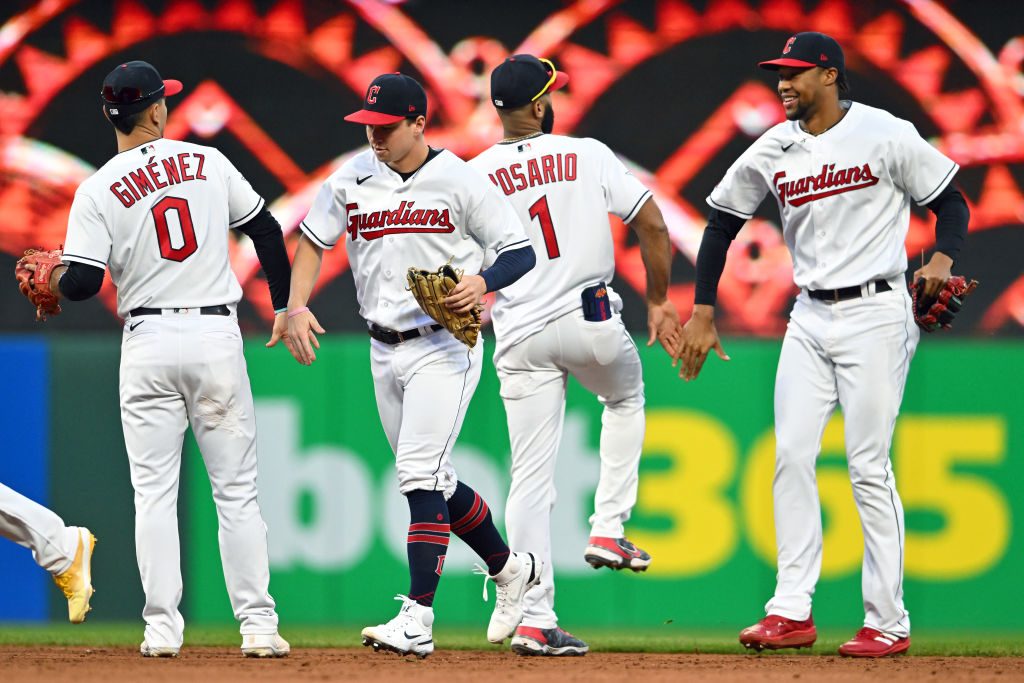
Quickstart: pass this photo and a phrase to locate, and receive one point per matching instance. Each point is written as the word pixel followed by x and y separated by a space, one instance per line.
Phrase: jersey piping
pixel 636 207
pixel 941 186
pixel 728 209
pixel 246 217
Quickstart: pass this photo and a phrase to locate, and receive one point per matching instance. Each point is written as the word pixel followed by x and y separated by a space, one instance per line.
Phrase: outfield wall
pixel 337 524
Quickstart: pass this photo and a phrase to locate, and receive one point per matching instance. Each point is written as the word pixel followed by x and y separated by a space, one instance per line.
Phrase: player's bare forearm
pixel 935 273
pixel 302 324
pixel 466 294
pixel 698 336
pixel 656 252
pixel 305 271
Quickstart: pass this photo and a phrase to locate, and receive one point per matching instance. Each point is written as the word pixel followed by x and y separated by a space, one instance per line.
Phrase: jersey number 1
pixel 539 210
pixel 163 229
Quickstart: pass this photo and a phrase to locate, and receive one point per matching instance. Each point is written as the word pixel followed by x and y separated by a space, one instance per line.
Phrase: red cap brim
pixel 172 87
pixel 774 64
pixel 560 80
pixel 372 118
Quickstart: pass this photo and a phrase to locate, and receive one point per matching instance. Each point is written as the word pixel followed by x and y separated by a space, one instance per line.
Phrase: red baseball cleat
pixel 872 643
pixel 775 632
pixel 617 553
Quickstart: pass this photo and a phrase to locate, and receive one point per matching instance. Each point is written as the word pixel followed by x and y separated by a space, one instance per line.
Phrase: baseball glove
pixel 937 312
pixel 36 284
pixel 430 287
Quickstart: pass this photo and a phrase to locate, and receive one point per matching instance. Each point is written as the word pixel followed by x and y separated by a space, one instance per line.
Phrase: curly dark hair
pixel 843 83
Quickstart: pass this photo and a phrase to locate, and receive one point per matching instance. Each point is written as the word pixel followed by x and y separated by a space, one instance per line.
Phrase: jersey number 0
pixel 163 229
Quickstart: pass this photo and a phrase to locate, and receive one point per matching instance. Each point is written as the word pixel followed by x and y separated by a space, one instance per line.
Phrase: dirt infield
pixel 112 665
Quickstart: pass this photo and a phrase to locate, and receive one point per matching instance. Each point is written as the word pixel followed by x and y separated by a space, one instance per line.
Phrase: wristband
pixel 294 313
pixel 280 310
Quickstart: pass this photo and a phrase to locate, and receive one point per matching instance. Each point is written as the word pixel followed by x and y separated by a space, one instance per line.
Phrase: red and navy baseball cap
pixel 522 79
pixel 809 49
pixel 133 86
pixel 391 98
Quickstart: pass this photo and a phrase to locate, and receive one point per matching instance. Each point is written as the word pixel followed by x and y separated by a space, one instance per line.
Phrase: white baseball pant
pixel 856 354
pixel 39 529
pixel 534 375
pixel 423 387
pixel 179 369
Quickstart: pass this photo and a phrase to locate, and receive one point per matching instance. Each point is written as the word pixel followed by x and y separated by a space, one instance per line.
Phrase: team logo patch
pixel 827 183
pixel 789 45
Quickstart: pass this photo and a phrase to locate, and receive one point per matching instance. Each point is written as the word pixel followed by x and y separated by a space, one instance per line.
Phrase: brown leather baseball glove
pixel 35 284
pixel 430 287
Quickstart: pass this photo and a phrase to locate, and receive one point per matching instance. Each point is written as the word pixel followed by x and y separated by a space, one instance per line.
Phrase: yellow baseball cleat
pixel 76 581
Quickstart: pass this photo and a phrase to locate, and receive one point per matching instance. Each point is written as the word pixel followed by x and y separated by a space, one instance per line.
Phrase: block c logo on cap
pixel 371 95
pixel 789 45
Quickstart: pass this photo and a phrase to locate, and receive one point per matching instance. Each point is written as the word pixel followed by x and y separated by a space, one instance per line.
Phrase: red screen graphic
pixel 671 86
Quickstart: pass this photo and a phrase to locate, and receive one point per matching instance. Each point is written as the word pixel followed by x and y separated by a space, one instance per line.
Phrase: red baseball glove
pixel 937 312
pixel 35 284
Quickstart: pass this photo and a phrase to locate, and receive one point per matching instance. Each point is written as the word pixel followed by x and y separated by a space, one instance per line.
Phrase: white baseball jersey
pixel 565 202
pixel 151 216
pixel 563 190
pixel 444 210
pixel 844 195
pixel 158 216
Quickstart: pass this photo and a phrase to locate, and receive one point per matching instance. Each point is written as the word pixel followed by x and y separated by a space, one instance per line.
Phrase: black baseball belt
pixel 843 293
pixel 389 336
pixel 205 310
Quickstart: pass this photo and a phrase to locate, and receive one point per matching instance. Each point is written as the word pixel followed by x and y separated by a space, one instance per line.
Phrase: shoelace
pixel 477 569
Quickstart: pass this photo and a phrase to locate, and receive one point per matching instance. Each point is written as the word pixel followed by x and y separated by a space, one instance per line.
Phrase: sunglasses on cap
pixel 554 75
pixel 127 95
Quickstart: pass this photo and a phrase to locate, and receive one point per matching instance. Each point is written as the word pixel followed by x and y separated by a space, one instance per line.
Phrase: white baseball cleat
pixel 520 574
pixel 265 645
pixel 148 650
pixel 409 633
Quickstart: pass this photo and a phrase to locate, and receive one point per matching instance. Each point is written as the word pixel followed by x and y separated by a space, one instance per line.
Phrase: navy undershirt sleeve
pixel 81 281
pixel 266 236
pixel 509 267
pixel 714 246
pixel 951 217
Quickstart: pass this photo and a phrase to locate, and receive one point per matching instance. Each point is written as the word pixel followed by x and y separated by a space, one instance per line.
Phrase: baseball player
pixel 402 204
pixel 843 174
pixel 64 551
pixel 157 214
pixel 561 319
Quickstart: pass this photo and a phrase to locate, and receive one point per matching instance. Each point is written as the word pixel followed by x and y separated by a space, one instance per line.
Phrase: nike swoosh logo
pixel 131 328
pixel 410 636
pixel 360 181
pixel 785 148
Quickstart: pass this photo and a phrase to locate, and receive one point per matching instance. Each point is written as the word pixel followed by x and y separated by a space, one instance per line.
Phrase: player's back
pixel 158 215
pixel 563 189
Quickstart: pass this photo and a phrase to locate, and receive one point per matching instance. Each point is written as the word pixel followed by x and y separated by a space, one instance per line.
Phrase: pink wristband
pixel 294 313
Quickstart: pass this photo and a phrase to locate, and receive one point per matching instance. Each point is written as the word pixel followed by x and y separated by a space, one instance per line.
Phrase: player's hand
pixel 697 338
pixel 303 328
pixel 280 333
pixel 663 324
pixel 935 273
pixel 466 294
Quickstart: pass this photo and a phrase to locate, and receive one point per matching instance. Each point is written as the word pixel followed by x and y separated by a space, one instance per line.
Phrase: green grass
pixel 666 639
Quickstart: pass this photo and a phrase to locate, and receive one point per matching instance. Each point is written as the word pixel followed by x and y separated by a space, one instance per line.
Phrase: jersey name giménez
pixel 158 174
